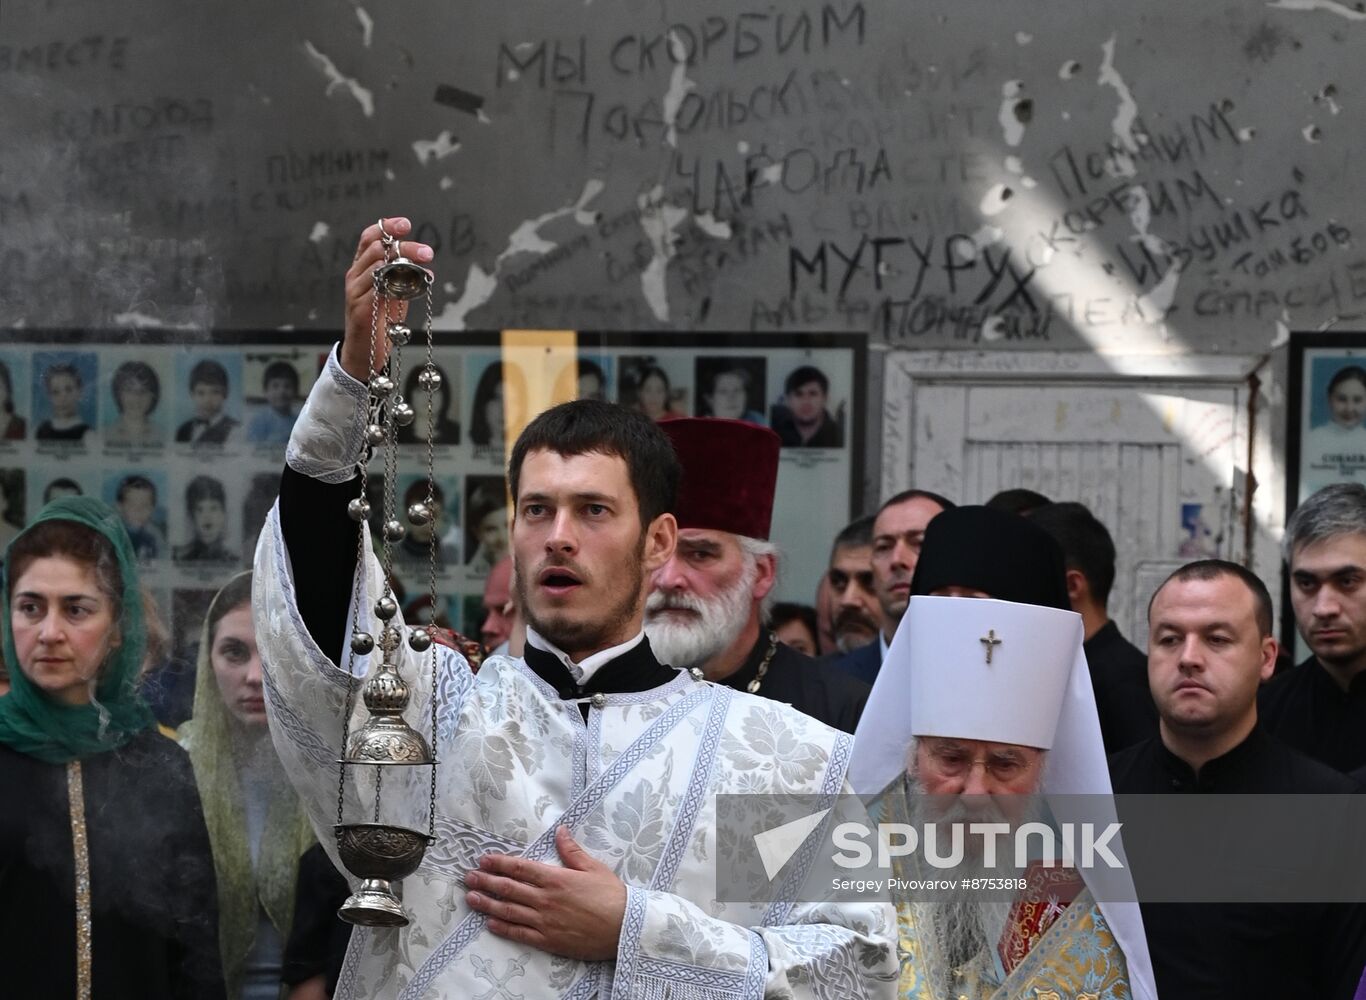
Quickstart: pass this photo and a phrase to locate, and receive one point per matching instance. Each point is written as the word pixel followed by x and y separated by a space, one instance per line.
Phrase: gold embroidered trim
pixel 80 854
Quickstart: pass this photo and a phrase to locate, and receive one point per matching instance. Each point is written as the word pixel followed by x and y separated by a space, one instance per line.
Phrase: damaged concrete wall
pixel 1134 178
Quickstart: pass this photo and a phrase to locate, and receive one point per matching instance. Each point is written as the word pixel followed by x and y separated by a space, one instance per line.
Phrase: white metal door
pixel 1159 457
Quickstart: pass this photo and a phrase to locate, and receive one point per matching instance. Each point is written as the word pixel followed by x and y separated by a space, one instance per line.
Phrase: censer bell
pixel 386 738
pixel 402 279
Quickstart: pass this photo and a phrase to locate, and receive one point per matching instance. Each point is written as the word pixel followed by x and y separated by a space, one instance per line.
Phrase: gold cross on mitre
pixel 990 641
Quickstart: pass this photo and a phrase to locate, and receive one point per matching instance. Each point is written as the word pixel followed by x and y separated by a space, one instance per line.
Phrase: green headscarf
pixel 41 727
pixel 287 834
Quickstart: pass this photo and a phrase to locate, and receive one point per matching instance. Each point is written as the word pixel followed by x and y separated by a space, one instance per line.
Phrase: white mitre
pixel 1035 691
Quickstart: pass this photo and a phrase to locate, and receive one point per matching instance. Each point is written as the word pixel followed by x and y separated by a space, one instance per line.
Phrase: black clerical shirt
pixel 1226 950
pixel 1306 709
pixel 811 687
pixel 1119 675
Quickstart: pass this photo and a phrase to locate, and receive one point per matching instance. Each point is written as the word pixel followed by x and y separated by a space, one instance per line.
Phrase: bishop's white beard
pixel 961 924
pixel 692 641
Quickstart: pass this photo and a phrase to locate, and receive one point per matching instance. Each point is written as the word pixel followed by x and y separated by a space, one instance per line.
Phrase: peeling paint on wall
pixel 140 319
pixel 1331 6
pixel 367 25
pixel 679 87
pixel 1123 124
pixel 335 79
pixel 1009 115
pixel 439 148
pixel 658 220
pixel 480 285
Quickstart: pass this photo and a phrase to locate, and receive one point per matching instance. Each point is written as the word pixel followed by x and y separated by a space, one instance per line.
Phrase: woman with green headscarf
pixel 104 857
pixel 256 825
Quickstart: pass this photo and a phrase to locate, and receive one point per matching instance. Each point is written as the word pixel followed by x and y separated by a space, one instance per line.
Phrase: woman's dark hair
pixel 494 375
pixel 786 611
pixel 1346 375
pixel 653 371
pixel 131 372
pixel 9 387
pixel 590 425
pixel 236 593
pixel 70 540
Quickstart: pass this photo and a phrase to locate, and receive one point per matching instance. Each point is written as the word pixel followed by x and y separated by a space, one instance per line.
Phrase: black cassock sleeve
pixel 321 539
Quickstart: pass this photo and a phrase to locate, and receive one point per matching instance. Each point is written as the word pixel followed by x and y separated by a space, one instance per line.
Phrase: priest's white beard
pixel 961 924
pixel 692 641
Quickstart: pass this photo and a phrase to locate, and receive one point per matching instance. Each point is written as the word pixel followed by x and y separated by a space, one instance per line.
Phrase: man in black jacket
pixel 1209 647
pixel 708 605
pixel 1319 707
pixel 1119 669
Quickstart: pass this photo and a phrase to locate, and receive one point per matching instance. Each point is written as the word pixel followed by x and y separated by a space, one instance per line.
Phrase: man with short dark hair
pixel 1209 648
pixel 708 605
pixel 574 843
pixel 1119 670
pixel 802 421
pixel 898 531
pixel 855 615
pixel 1319 707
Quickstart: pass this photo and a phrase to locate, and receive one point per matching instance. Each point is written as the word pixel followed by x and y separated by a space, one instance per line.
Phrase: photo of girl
pixel 64 396
pixel 1334 449
pixel 500 405
pixel 646 385
pixel 444 428
pixel 135 391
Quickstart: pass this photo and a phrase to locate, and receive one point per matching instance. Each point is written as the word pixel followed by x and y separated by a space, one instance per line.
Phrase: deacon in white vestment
pixel 585 772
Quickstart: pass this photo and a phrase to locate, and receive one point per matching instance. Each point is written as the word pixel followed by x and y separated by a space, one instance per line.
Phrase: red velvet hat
pixel 730 472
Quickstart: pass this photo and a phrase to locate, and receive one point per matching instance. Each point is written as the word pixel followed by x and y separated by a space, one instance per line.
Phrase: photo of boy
pixel 135 498
pixel 208 393
pixel 273 423
pixel 206 507
pixel 802 418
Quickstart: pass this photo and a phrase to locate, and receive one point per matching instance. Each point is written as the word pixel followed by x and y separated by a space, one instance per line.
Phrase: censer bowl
pixel 378 854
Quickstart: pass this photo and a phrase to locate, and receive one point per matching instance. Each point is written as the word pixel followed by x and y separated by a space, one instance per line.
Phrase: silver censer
pixel 378 853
